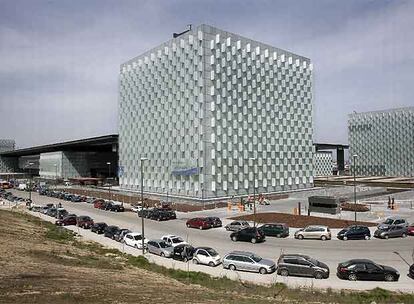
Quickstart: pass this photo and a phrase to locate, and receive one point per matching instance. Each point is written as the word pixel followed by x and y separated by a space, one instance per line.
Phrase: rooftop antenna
pixel 175 35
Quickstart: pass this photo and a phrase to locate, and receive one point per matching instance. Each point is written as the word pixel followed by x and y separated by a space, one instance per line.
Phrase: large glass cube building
pixel 383 142
pixel 216 114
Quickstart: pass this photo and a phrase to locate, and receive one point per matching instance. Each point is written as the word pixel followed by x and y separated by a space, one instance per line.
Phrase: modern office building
pixel 383 142
pixel 7 164
pixel 215 112
pixel 322 163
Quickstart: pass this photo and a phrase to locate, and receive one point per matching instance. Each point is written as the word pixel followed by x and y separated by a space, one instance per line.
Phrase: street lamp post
pixel 254 190
pixel 355 200
pixel 109 175
pixel 142 203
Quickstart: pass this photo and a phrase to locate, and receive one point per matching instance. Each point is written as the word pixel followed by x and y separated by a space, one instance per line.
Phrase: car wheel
pixel 352 277
pixel 195 261
pixel 262 270
pixel 162 255
pixel 367 237
pixel 404 235
pixel 232 267
pixel 318 275
pixel 211 264
pixel 345 238
pixel 234 238
pixel 253 240
pixel 389 278
pixel 284 273
pixel 300 237
pixel 323 238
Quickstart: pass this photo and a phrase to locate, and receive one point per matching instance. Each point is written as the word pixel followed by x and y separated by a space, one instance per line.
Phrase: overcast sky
pixel 59 60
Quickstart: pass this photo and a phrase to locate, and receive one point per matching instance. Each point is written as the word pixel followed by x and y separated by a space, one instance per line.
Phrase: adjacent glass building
pixel 383 142
pixel 215 114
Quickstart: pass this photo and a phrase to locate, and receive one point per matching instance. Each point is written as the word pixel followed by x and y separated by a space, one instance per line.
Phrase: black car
pixel 275 229
pixel 114 207
pixel 183 252
pixel 99 228
pixel 159 215
pixel 363 269
pixel 110 231
pixel 249 234
pixel 411 272
pixel 214 221
pixel 354 232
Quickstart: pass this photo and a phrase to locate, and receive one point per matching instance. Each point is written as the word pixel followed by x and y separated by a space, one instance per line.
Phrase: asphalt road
pixel 330 252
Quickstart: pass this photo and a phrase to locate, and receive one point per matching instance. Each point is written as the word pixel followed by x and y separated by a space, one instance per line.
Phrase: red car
pixel 84 221
pixel 98 203
pixel 410 229
pixel 69 220
pixel 199 222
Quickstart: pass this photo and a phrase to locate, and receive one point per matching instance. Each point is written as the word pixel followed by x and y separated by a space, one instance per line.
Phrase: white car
pixel 207 256
pixel 136 208
pixel 135 240
pixel 173 240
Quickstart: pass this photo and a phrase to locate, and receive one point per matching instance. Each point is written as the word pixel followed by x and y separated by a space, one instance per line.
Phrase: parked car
pixel 76 198
pixel 199 223
pixel 183 252
pixel 249 234
pixel 99 228
pixel 363 269
pixel 158 215
pixel 61 213
pixel 314 232
pixel 161 248
pixel 136 207
pixel 206 256
pixel 354 232
pixel 391 232
pixel 393 221
pixel 120 234
pixel 110 231
pixel 301 265
pixel 84 221
pixel 98 203
pixel 247 261
pixel 236 225
pixel 410 229
pixel 173 240
pixel 275 229
pixel 144 212
pixel 111 206
pixel 68 220
pixel 214 221
pixel 134 239
pixel 411 271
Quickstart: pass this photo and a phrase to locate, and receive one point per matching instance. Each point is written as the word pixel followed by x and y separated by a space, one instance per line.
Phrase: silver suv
pixel 313 232
pixel 393 221
pixel 247 261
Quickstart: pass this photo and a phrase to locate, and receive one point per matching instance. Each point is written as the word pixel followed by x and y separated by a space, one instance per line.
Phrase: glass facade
pixel 212 111
pixel 383 142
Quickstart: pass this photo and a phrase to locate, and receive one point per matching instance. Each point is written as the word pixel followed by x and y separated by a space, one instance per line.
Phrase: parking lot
pixel 330 252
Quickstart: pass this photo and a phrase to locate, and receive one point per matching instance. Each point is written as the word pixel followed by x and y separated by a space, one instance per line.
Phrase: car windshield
pixel 164 245
pixel 211 252
pixel 256 258
pixel 177 240
pixel 389 221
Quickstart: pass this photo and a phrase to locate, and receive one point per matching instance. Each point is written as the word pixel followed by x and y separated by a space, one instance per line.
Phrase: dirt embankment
pixel 300 220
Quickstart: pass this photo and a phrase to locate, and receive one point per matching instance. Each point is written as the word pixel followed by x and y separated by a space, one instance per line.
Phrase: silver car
pixel 313 232
pixel 247 261
pixel 161 248
pixel 391 232
pixel 236 225
pixel 393 221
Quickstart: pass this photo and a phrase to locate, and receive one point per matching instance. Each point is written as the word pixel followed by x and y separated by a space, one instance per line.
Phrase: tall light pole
pixel 142 203
pixel 109 175
pixel 254 190
pixel 56 166
pixel 354 157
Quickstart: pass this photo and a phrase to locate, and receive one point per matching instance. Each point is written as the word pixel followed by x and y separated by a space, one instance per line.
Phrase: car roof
pixel 294 255
pixel 205 248
pixel 157 240
pixel 169 236
pixel 283 224
pixel 354 261
pixel 134 233
pixel 395 218
pixel 247 253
